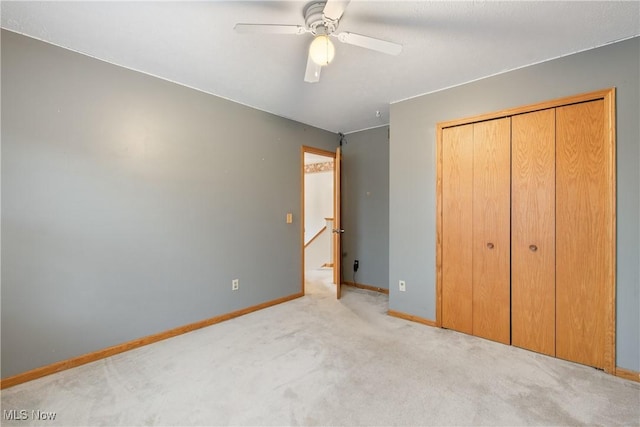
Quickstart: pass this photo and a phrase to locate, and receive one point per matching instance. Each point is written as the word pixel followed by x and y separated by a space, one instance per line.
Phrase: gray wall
pixel 365 206
pixel 130 203
pixel 413 171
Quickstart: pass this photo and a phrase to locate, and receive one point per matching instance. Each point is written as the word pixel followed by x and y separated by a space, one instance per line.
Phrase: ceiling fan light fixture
pixel 322 50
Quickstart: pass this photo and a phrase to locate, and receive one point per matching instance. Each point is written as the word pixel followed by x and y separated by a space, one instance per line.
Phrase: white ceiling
pixel 445 44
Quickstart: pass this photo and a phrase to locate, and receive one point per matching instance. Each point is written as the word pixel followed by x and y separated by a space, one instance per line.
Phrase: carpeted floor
pixel 318 361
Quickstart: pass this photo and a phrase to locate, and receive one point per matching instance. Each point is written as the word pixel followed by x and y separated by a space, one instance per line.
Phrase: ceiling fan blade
pixel 312 74
pixel 335 8
pixel 269 29
pixel 370 43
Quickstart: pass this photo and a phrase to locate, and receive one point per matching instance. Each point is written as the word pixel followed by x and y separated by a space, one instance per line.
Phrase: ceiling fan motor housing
pixel 315 20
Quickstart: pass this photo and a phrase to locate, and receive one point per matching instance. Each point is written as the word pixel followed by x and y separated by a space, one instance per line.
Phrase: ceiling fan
pixel 321 21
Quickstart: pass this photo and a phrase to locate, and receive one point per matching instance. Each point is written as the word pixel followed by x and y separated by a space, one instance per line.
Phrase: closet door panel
pixel 457 190
pixel 491 229
pixel 533 252
pixel 584 264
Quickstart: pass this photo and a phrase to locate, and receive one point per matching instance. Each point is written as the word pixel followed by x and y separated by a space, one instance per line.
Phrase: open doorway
pixel 320 220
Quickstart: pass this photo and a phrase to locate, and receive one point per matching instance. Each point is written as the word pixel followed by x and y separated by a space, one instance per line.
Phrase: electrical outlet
pixel 356 265
pixel 402 286
pixel 235 284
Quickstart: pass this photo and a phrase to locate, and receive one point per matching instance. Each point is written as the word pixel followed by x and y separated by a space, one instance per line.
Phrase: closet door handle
pixel 490 245
pixel 533 248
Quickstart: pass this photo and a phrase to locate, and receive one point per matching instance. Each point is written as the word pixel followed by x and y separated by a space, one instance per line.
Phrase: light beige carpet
pixel 318 361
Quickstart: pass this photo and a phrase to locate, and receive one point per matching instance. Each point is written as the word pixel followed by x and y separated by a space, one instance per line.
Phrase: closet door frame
pixel 608 96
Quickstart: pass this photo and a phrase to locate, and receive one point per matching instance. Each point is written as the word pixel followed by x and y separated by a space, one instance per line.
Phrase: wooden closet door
pixel 457 190
pixel 533 252
pixel 491 229
pixel 584 203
